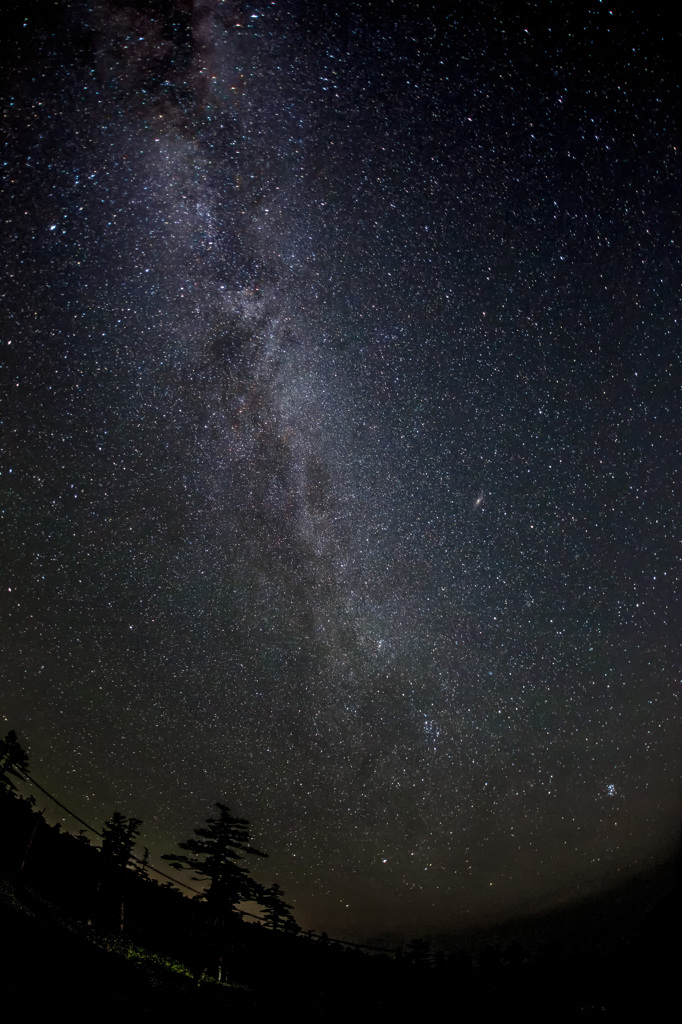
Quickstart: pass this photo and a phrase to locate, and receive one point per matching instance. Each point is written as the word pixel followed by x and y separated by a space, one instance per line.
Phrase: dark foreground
pixel 50 965
pixel 81 937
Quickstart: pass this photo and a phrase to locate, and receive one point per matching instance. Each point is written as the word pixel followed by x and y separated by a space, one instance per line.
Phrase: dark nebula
pixel 341 439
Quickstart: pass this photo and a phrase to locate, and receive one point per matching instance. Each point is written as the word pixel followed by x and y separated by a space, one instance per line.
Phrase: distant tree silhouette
pixel 142 864
pixel 13 760
pixel 277 913
pixel 418 952
pixel 214 854
pixel 118 839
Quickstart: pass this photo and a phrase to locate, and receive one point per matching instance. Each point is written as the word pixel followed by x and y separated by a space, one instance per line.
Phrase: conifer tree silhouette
pixel 118 839
pixel 277 913
pixel 141 865
pixel 214 854
pixel 13 760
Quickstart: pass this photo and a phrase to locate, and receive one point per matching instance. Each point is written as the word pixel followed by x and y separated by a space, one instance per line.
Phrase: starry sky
pixel 341 439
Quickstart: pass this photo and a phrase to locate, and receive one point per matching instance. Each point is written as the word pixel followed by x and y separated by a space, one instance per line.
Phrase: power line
pixel 137 860
pixel 60 804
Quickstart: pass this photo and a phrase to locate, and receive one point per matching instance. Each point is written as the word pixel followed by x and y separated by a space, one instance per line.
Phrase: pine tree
pixel 13 760
pixel 118 839
pixel 277 913
pixel 215 854
pixel 142 863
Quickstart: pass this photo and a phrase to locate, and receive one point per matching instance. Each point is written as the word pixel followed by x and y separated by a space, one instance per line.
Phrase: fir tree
pixel 142 863
pixel 13 760
pixel 277 913
pixel 118 839
pixel 214 854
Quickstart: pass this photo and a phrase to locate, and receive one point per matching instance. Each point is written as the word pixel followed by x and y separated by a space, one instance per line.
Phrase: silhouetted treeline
pixel 89 919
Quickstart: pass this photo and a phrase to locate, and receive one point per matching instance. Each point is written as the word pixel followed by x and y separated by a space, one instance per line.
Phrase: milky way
pixel 341 440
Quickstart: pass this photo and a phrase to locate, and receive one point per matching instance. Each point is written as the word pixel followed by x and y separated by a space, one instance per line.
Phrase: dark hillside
pixel 117 945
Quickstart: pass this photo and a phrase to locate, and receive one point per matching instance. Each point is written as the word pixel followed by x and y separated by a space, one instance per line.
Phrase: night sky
pixel 341 439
